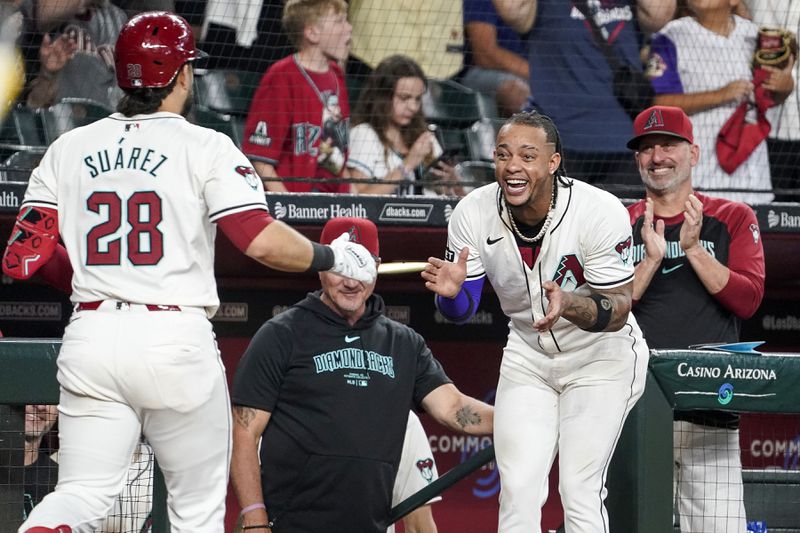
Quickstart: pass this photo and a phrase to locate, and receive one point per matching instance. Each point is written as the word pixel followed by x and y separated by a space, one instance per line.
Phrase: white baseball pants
pixel 124 370
pixel 708 479
pixel 573 404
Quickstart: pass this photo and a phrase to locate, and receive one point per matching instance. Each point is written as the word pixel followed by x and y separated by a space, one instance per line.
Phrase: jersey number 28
pixel 145 242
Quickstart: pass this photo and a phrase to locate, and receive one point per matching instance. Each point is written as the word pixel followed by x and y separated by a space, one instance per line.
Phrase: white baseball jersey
pixel 369 156
pixel 137 198
pixel 679 63
pixel 417 468
pixel 588 244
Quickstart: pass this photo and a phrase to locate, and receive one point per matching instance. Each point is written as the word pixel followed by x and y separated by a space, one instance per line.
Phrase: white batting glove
pixel 352 260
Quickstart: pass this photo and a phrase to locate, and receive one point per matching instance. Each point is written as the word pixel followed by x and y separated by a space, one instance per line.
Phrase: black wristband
pixel 322 259
pixel 258 526
pixel 604 310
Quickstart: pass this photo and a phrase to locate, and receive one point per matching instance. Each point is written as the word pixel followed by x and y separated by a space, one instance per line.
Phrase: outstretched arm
pixel 454 409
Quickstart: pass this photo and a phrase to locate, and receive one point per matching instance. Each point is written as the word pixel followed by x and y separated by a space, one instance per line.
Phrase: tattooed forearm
pixel 467 416
pixel 582 312
pixel 243 415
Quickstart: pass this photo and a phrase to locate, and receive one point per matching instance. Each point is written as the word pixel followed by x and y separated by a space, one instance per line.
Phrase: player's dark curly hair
pixel 535 119
pixel 144 101
pixel 374 105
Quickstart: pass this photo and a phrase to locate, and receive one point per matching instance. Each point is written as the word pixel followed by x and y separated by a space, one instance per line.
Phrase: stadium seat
pixel 226 91
pixel 19 165
pixel 477 173
pixel 68 114
pixel 25 127
pixel 481 138
pixel 230 126
pixel 450 104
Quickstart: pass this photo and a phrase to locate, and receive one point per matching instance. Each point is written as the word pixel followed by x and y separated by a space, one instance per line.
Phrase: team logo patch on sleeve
pixel 259 136
pixel 756 233
pixel 425 467
pixel 250 176
pixel 624 250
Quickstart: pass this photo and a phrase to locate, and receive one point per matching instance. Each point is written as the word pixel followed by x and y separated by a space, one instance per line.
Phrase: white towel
pixel 241 15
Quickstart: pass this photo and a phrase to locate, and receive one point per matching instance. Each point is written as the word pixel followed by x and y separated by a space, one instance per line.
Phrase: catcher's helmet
pixel 151 48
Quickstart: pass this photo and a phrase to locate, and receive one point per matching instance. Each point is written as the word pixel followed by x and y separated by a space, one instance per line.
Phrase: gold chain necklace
pixel 547 220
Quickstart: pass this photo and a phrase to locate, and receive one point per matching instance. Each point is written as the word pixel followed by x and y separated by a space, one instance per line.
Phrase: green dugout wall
pixel 640 476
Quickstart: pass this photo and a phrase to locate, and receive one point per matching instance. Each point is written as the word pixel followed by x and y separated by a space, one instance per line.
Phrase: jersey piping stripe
pixel 612 283
pixel 628 407
pixel 229 210
pixel 42 203
pixel 254 157
pixel 566 208
pixel 131 119
pixel 544 309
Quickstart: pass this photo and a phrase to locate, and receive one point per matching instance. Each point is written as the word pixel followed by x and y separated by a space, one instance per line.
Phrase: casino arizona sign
pixel 685 370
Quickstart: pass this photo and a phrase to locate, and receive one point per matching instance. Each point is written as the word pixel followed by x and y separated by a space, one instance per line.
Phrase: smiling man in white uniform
pixel 557 253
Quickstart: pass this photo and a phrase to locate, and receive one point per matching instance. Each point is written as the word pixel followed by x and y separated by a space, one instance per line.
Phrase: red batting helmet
pixel 151 48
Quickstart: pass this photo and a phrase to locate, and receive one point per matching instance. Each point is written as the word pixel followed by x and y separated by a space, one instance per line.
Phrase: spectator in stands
pixel 682 76
pixel 494 59
pixel 131 510
pixel 298 119
pixel 326 388
pixel 41 470
pixel 431 32
pixel 75 43
pixel 783 144
pixel 243 36
pixel 699 273
pixel 390 141
pixel 570 79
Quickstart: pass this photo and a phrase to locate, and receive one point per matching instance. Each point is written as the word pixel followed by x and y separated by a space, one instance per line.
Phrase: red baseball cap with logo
pixel 662 120
pixel 361 230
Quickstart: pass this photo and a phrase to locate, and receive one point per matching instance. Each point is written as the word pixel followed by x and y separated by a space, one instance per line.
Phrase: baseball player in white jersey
pixel 557 253
pixel 416 470
pixel 135 197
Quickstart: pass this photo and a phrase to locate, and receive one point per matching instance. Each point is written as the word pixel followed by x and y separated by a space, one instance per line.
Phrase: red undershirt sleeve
pixel 241 228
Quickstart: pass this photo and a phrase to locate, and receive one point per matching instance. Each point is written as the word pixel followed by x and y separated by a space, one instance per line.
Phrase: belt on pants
pixel 93 306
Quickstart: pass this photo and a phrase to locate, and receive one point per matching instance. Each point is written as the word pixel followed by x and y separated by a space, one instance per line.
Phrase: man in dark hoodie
pixel 326 386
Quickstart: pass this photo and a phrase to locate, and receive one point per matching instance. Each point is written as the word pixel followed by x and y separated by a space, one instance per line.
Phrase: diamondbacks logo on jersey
pixel 569 274
pixel 250 176
pixel 624 250
pixel 425 467
pixel 655 67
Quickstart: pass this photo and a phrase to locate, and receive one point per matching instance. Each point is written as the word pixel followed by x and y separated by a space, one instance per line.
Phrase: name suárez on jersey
pixel 134 158
pixel 731 372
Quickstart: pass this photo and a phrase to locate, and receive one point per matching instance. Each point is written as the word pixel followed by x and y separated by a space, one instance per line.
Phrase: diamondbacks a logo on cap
pixel 655 120
pixel 354 235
